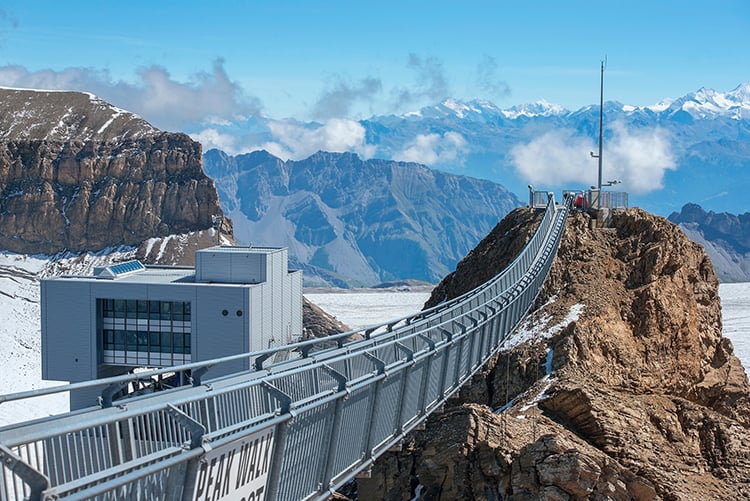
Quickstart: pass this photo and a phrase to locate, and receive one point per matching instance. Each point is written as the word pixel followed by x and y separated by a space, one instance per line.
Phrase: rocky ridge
pixel 37 115
pixel 79 174
pixel 624 389
pixel 726 238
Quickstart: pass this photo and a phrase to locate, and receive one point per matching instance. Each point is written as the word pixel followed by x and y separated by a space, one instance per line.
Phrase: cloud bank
pixel 431 149
pixel 165 102
pixel 293 141
pixel 562 157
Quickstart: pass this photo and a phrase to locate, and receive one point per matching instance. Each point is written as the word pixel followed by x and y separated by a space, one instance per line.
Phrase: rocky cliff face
pixel 79 174
pixel 625 389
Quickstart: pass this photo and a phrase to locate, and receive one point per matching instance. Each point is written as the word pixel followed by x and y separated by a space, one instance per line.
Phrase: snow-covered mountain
pixel 694 148
pixel 60 115
pixel 709 104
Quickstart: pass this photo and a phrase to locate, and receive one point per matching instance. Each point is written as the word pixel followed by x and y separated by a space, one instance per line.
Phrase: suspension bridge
pixel 304 421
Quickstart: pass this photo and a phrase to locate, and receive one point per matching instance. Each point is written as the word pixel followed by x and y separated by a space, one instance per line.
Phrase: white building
pixel 127 315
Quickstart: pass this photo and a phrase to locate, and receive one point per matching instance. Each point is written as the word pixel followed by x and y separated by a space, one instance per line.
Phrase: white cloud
pixel 211 138
pixel 165 102
pixel 639 158
pixel 562 157
pixel 293 141
pixel 431 149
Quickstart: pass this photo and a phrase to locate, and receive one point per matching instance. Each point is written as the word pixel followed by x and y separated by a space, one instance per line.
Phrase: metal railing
pixel 607 199
pixel 296 429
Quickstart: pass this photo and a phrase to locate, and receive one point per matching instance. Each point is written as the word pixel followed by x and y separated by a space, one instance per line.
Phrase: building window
pixel 138 332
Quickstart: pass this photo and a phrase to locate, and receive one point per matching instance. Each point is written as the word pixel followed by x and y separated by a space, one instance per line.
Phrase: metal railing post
pixel 285 402
pixel 36 482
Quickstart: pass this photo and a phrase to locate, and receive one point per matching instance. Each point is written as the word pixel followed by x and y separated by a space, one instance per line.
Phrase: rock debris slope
pixel 623 389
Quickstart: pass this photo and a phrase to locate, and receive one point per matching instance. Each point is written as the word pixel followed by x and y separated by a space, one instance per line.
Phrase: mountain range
pixel 353 222
pixel 73 166
pixel 695 148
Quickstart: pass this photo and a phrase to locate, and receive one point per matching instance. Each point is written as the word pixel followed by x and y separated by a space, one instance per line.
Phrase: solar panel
pixel 126 267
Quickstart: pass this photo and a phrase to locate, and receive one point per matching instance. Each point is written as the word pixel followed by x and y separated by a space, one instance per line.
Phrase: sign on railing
pixel 237 471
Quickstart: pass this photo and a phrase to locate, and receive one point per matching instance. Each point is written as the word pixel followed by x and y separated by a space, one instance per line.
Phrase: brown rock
pixel 318 322
pixel 78 174
pixel 645 400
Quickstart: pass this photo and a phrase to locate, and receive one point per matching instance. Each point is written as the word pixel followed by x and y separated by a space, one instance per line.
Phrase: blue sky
pixel 183 61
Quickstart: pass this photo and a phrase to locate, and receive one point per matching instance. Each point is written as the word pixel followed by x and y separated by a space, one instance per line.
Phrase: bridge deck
pixel 296 429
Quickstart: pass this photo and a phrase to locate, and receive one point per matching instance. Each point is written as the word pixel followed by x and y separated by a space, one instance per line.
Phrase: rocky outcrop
pixel 79 174
pixel 726 238
pixel 626 389
pixel 318 322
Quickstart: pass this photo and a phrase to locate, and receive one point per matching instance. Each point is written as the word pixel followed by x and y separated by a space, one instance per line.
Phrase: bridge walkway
pixel 290 430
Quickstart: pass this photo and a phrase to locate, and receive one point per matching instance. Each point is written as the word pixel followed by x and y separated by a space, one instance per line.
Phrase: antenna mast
pixel 601 124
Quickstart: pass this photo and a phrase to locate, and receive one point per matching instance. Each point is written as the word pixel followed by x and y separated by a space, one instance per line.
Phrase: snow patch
pixel 537 327
pixel 116 114
pixel 418 492
pixel 20 326
pixel 541 395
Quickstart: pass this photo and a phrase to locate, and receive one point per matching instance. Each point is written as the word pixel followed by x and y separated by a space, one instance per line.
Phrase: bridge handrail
pixel 302 346
pixel 450 350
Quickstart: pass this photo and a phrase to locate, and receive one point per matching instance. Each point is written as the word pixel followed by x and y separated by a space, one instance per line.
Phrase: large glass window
pixel 139 332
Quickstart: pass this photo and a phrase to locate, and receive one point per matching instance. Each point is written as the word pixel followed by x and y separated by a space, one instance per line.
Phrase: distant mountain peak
pixel 483 108
pixel 535 109
pixel 706 103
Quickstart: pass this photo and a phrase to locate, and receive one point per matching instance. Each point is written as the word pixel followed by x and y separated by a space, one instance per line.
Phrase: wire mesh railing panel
pixel 434 389
pixel 361 366
pixel 305 383
pixel 240 405
pixel 304 454
pixel 155 431
pixel 410 402
pixel 161 483
pixel 355 421
pixel 68 456
pixel 388 353
pixel 465 360
pixel 386 412
pixel 450 367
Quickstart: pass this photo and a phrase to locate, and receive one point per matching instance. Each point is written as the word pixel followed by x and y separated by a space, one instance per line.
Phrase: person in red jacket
pixel 580 202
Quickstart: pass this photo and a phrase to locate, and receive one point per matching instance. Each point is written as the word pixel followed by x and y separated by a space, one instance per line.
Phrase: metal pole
pixel 601 122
